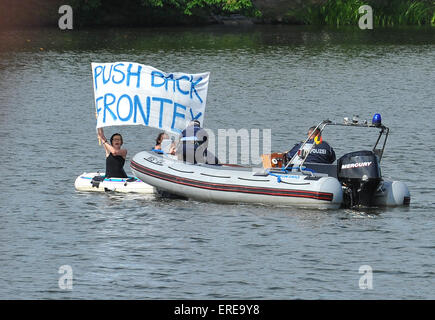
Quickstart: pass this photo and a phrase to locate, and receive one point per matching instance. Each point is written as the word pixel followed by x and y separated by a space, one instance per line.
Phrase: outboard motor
pixel 360 175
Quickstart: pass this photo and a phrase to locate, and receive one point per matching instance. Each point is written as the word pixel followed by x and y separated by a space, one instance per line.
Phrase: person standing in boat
pixel 321 152
pixel 115 155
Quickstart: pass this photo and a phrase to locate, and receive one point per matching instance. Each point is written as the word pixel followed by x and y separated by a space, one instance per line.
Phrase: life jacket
pixel 319 153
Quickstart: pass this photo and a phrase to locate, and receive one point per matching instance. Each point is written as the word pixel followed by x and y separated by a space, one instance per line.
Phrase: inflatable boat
pixel 236 184
pixel 96 181
pixel 354 180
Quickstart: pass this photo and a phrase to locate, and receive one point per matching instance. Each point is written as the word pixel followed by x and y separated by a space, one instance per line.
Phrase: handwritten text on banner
pixel 128 93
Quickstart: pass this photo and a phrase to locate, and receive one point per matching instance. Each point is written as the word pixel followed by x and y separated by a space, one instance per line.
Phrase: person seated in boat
pixel 115 155
pixel 158 147
pixel 195 138
pixel 162 136
pixel 321 152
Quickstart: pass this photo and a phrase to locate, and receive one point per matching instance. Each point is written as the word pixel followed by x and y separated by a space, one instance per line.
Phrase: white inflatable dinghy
pixel 95 181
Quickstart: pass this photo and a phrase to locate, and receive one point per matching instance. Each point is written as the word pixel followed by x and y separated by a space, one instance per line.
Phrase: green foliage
pixel 330 12
pixel 418 13
pixel 338 12
pixel 387 13
pixel 188 5
pixel 156 12
pixel 162 3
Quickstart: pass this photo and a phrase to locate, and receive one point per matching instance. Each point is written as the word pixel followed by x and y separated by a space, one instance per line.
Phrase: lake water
pixel 139 247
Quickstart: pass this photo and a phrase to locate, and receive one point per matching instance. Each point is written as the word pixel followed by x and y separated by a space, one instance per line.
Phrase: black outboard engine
pixel 360 175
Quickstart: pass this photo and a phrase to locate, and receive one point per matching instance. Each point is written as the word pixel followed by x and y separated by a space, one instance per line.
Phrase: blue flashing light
pixel 377 120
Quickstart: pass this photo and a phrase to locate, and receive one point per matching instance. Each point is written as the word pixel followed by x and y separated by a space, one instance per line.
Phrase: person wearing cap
pixel 321 152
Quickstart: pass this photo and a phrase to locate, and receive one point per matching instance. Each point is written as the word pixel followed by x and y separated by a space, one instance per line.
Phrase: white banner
pixel 128 93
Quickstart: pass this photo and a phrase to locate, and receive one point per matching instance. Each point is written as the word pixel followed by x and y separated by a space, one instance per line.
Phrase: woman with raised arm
pixel 115 155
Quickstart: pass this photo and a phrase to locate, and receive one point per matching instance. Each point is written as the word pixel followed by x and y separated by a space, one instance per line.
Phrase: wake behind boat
pixel 354 180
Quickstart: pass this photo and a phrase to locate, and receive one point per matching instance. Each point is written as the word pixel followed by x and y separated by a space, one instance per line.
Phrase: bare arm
pixel 103 139
pixel 101 135
pixel 120 152
pixel 108 147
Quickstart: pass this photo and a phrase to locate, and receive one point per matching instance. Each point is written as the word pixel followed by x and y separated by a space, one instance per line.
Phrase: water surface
pixel 278 77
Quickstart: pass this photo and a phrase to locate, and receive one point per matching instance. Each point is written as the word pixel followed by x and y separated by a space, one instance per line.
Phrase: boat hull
pixel 235 184
pixel 392 194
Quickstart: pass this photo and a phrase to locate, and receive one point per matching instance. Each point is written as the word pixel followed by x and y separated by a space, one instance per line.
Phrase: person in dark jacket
pixel 321 152
pixel 115 155
pixel 194 142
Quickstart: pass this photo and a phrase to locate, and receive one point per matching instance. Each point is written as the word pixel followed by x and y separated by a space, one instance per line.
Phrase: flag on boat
pixel 128 93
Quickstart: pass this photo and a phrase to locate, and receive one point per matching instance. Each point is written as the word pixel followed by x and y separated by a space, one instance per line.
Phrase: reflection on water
pixel 280 77
pixel 212 38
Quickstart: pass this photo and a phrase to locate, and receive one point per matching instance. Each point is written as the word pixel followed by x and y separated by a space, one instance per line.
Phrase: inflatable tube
pixel 393 193
pixel 236 184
